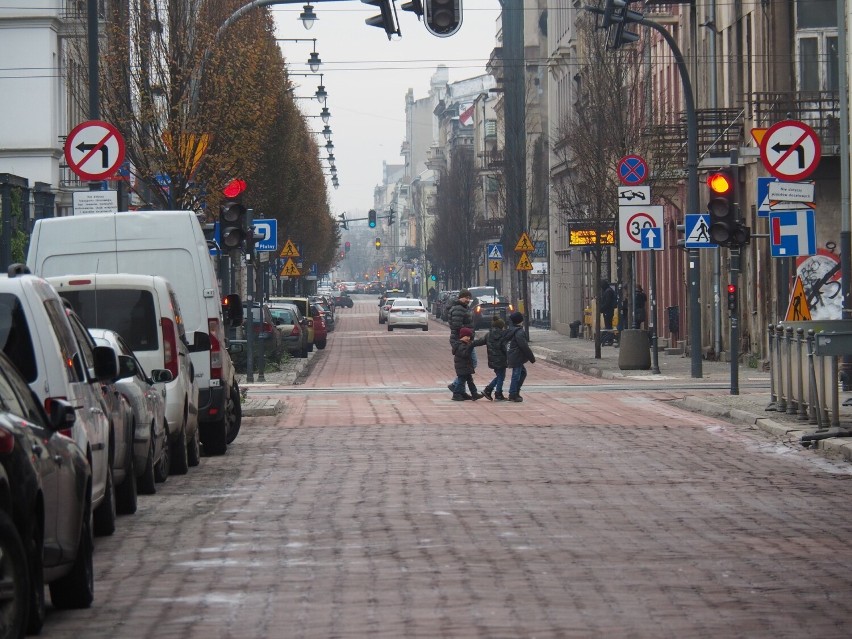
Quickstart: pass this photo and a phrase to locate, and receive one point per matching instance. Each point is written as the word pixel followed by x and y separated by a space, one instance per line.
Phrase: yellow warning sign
pixel 494 265
pixel 290 269
pixel 289 249
pixel 797 309
pixel 524 263
pixel 525 245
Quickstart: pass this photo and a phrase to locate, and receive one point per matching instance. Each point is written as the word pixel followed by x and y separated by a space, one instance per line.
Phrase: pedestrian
pixel 517 354
pixel 431 295
pixel 639 314
pixel 623 309
pixel 495 344
pixel 459 316
pixel 463 362
pixel 608 304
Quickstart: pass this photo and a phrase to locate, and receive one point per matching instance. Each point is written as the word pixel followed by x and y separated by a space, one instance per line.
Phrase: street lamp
pixel 308 17
pixel 329 146
pixel 326 132
pixel 314 60
pixel 325 114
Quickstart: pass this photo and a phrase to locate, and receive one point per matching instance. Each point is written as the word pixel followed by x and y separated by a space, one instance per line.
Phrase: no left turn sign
pixel 790 150
pixel 94 150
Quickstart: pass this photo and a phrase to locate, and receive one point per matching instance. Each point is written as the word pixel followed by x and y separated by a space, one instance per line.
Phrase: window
pixel 15 339
pixel 130 313
pixel 816 42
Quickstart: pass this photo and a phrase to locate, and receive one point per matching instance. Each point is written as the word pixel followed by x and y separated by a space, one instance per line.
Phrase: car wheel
pixel 14 581
pixel 105 513
pixel 178 453
pixel 194 450
pixel 161 468
pixel 321 345
pixel 125 495
pixel 390 328
pixel 35 555
pixel 425 328
pixel 234 413
pixel 147 480
pixel 77 588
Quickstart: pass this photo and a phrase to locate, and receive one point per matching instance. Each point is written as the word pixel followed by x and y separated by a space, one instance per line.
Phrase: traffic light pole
pixel 734 349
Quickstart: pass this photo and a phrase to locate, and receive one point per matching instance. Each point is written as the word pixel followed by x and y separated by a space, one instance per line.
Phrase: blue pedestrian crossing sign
pixel 495 251
pixel 696 228
pixel 652 238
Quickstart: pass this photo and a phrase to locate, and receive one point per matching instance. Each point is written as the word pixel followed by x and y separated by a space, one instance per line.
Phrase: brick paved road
pixel 373 506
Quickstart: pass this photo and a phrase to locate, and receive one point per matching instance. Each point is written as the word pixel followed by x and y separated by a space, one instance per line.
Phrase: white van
pixel 145 311
pixel 170 244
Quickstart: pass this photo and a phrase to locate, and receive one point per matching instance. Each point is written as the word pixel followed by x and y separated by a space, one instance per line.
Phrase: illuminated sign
pixel 589 237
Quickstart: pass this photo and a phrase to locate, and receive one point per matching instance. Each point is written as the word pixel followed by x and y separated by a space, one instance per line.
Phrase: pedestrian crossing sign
pixel 525 245
pixel 289 249
pixel 697 231
pixel 495 251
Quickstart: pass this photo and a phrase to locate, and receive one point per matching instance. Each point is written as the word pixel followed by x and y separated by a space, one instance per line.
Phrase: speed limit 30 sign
pixel 632 220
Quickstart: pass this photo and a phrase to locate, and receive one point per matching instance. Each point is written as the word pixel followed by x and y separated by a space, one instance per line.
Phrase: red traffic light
pixel 732 288
pixel 720 183
pixel 234 188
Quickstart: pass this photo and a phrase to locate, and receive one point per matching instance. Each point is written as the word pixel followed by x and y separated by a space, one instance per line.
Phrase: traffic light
pixel 371 219
pixel 616 16
pixel 415 6
pixel 343 222
pixel 722 207
pixel 346 247
pixel 378 243
pixel 386 19
pixel 232 215
pixel 433 278
pixel 732 297
pixel 443 17
pixel 391 217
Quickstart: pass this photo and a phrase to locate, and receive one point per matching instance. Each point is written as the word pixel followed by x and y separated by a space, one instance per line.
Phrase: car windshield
pixel 406 302
pixel 484 293
pixel 283 315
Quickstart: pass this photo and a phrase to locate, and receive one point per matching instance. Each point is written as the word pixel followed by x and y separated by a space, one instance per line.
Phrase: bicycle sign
pixel 632 220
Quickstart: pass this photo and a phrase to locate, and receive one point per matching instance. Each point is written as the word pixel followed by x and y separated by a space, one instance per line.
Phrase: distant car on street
pixel 407 312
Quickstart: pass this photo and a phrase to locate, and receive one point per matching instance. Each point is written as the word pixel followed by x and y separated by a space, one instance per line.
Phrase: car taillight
pixel 47 408
pixel 478 309
pixel 170 356
pixel 511 308
pixel 215 348
pixel 266 327
pixel 7 442
pixel 295 332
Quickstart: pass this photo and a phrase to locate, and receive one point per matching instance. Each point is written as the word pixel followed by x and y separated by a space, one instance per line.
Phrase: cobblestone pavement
pixel 367 504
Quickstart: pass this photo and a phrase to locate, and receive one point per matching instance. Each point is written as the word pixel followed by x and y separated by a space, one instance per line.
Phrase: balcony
pixel 818 109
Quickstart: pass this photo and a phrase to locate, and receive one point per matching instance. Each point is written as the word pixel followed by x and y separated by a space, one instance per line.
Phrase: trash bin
pixel 634 351
pixel 574 328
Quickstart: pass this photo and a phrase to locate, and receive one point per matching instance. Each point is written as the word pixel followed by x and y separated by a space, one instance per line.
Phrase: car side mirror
pixel 232 311
pixel 161 376
pixel 61 414
pixel 201 342
pixel 106 363
pixel 126 367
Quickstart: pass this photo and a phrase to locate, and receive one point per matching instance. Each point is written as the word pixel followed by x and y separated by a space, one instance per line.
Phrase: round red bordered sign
pixel 632 170
pixel 94 150
pixel 790 150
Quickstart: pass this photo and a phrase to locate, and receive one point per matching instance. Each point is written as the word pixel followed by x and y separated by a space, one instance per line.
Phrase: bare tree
pixel 604 126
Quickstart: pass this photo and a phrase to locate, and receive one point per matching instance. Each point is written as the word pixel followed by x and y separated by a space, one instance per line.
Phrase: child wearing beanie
pixel 463 362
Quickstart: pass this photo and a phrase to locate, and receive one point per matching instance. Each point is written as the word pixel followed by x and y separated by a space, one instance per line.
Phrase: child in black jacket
pixel 463 361
pixel 495 343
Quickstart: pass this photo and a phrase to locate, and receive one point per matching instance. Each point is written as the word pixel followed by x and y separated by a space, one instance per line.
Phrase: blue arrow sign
pixel 652 239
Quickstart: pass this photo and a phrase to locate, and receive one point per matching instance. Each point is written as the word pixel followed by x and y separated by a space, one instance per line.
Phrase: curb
pixel 262 407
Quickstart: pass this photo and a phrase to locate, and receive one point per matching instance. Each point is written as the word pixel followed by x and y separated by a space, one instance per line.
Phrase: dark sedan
pixel 46 483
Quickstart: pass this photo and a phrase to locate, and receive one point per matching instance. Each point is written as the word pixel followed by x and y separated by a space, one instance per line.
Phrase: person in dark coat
pixel 495 344
pixel 608 304
pixel 463 362
pixel 518 353
pixel 460 316
pixel 640 314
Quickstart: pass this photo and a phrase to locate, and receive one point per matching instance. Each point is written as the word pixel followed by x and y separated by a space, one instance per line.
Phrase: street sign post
pixel 266 234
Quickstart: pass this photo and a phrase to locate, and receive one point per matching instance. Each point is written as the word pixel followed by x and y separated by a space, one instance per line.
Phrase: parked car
pixel 328 313
pixel 263 327
pixel 310 311
pixel 384 308
pixel 146 396
pixel 36 334
pixel 146 312
pixel 292 327
pixel 45 506
pixel 343 300
pixel 122 476
pixel 170 244
pixel 320 330
pixel 407 312
pixel 305 321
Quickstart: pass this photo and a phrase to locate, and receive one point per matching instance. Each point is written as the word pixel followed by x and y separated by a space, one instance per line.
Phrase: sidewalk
pixel 749 407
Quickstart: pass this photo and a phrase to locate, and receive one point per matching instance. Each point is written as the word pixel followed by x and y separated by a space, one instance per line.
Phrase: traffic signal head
pixel 391 217
pixel 415 6
pixel 378 243
pixel 722 207
pixel 346 247
pixel 442 17
pixel 732 297
pixel 343 222
pixel 387 17
pixel 371 219
pixel 232 216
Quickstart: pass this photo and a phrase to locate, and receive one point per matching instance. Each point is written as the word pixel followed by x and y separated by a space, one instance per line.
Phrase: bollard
pixel 773 395
pixel 779 334
pixel 634 350
pixel 822 393
pixel 803 411
pixel 791 404
pixel 814 415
